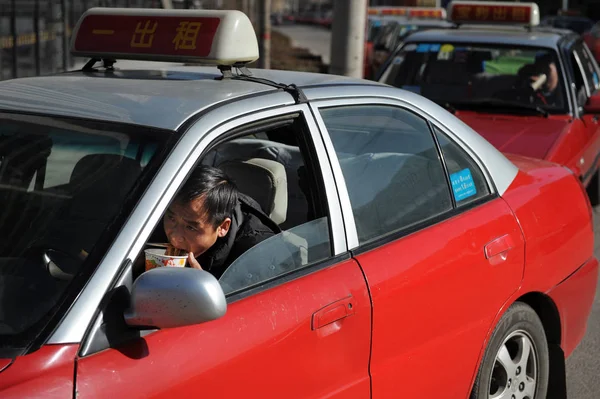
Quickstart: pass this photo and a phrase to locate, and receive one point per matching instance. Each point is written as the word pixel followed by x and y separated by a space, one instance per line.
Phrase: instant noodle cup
pixel 155 257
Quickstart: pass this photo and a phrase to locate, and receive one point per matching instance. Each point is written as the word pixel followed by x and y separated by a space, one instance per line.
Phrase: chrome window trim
pixel 339 182
pixel 564 72
pixel 590 55
pixel 351 232
pixel 579 65
pixel 146 215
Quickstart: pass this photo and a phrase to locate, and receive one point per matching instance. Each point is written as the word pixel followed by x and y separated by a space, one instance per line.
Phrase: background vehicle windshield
pixel 62 185
pixel 373 30
pixel 576 24
pixel 467 74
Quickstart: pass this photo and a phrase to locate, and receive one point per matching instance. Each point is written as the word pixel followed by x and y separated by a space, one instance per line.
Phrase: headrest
pixel 92 168
pixel 244 148
pixel 263 180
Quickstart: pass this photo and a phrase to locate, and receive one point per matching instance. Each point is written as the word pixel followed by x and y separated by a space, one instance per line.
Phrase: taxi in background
pixel 592 39
pixel 375 22
pixel 397 23
pixel 528 90
pixel 413 255
pixel 569 19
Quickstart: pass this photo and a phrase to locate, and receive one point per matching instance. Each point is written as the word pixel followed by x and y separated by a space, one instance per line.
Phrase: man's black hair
pixel 219 193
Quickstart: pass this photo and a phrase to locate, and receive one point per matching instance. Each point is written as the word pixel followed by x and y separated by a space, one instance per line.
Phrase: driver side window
pixel 281 224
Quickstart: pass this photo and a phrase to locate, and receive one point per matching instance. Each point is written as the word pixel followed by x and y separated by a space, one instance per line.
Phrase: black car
pixel 577 24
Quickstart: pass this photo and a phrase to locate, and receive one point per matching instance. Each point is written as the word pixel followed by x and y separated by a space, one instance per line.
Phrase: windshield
pixel 62 185
pixel 465 74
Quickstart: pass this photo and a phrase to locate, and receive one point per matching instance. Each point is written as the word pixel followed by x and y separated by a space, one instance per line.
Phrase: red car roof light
pixel 410 12
pixel 210 37
pixel 503 12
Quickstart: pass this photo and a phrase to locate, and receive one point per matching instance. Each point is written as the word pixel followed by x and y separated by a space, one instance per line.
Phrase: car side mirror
pixel 168 297
pixel 592 106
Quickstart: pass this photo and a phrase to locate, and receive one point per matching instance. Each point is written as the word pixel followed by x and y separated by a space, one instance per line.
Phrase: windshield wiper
pixel 498 103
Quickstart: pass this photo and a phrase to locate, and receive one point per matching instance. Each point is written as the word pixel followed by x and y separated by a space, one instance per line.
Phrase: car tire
pixel 504 369
pixel 593 189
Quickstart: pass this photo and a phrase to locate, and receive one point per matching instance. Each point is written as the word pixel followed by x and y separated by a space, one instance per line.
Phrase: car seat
pixel 263 180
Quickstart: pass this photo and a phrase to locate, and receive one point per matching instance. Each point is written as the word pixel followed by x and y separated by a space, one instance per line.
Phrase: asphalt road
pixel 583 366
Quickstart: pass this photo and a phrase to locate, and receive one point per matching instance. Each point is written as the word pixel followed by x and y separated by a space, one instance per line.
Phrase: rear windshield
pixel 465 74
pixel 63 184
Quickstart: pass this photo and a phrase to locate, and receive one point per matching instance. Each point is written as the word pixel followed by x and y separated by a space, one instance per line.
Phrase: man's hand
pixel 193 262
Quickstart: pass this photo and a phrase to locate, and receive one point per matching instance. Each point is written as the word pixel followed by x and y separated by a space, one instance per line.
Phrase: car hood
pixel 528 136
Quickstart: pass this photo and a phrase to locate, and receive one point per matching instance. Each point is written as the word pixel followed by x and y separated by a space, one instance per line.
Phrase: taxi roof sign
pixel 427 12
pixel 494 12
pixel 210 37
pixel 410 12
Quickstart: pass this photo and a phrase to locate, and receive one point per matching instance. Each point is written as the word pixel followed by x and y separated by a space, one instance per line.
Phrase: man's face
pixel 186 226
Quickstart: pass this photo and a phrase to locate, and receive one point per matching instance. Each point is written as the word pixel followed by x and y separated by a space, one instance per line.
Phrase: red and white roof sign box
pixel 494 12
pixel 212 37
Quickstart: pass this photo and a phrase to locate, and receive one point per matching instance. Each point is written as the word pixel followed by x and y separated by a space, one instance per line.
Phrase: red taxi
pixel 387 26
pixel 528 90
pixel 592 39
pixel 409 256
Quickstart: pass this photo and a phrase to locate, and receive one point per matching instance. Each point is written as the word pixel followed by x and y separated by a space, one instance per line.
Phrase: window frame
pixel 310 154
pixel 475 160
pixel 580 47
pixel 578 66
pixel 352 235
pixel 245 125
pixel 192 139
pixel 204 140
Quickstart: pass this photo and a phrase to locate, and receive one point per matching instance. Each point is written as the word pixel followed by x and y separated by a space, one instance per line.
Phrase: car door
pixel 299 333
pixel 586 71
pixel 442 253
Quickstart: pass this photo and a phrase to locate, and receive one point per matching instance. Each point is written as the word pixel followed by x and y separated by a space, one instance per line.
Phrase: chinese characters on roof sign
pixel 411 12
pixel 147 35
pixel 212 37
pixel 433 13
pixel 494 12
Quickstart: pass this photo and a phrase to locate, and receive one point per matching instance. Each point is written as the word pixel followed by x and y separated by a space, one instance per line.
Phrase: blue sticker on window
pixel 463 185
pixel 423 48
pixel 434 48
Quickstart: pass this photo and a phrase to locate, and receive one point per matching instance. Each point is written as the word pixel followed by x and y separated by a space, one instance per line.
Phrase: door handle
pixel 333 312
pixel 496 251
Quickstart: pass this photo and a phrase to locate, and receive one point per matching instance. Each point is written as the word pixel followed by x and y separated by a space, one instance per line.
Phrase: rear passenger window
pixel 391 165
pixel 466 178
